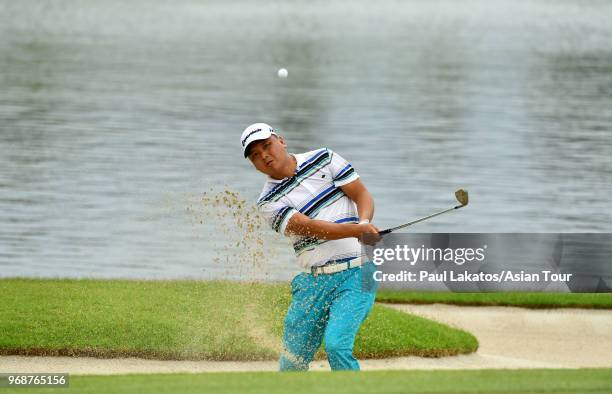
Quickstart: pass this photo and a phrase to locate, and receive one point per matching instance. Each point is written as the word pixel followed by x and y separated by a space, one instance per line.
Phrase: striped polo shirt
pixel 314 190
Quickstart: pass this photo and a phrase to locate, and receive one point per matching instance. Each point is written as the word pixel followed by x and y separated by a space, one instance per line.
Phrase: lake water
pixel 116 117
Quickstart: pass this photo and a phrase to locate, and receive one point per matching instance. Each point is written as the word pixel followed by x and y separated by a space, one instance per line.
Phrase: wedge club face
pixel 462 197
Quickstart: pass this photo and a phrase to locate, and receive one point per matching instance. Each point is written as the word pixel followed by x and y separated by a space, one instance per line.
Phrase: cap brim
pixel 256 137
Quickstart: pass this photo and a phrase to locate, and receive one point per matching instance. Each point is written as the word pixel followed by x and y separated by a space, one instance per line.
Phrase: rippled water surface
pixel 116 117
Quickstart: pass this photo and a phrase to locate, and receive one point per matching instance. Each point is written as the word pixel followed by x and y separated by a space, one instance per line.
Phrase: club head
pixel 462 197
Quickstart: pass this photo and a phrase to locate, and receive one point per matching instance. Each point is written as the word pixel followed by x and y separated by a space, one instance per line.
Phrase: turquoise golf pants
pixel 328 308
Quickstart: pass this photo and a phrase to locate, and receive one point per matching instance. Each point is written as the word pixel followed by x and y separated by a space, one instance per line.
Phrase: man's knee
pixel 337 344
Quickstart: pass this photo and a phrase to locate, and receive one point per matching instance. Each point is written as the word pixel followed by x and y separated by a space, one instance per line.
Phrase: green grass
pixel 526 300
pixel 186 320
pixel 464 382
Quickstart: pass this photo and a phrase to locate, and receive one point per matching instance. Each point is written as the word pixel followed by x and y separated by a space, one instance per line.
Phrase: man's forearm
pixel 300 224
pixel 321 229
pixel 365 206
pixel 360 195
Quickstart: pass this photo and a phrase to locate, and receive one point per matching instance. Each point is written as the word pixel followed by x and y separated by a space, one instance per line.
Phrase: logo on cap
pixel 250 134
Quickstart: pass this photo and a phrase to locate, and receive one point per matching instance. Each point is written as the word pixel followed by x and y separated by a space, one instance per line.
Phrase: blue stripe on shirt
pixel 305 207
pixel 314 157
pixel 351 219
pixel 344 169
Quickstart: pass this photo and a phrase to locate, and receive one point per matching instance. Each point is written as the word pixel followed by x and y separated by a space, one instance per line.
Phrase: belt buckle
pixel 313 271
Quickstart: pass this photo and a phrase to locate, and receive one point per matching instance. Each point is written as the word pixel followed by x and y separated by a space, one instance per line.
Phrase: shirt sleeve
pixel 342 171
pixel 277 215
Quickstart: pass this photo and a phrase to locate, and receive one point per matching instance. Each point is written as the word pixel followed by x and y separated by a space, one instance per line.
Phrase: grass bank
pixel 186 320
pixel 525 300
pixel 433 382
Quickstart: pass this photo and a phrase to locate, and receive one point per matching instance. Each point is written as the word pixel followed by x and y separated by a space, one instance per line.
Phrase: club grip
pixel 384 232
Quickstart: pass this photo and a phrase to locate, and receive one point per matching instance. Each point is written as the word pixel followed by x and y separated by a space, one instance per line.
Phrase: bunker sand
pixel 512 337
pixel 509 337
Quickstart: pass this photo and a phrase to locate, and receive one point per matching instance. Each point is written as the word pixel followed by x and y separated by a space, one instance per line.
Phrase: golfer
pixel 317 199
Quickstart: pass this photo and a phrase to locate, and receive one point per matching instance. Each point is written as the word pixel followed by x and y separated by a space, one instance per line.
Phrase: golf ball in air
pixel 283 73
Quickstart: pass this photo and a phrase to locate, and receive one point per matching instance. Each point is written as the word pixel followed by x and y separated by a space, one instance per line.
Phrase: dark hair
pixel 247 151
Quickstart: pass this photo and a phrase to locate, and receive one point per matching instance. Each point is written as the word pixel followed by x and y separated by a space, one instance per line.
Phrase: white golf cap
pixel 255 132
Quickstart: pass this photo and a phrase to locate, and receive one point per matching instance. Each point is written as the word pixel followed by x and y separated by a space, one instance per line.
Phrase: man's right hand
pixel 367 228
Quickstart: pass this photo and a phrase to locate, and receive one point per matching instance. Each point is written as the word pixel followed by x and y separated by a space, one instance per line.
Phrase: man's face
pixel 270 156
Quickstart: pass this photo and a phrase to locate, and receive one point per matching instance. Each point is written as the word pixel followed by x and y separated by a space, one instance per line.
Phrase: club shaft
pixel 419 220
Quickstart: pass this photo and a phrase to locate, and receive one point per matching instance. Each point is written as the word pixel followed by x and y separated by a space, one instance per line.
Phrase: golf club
pixel 462 197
